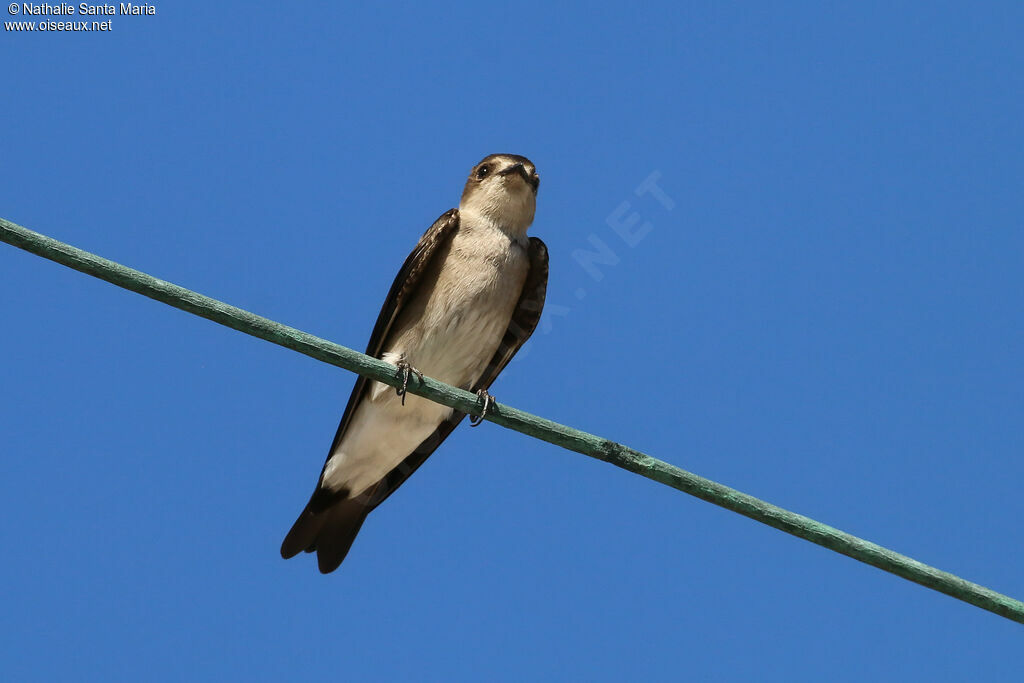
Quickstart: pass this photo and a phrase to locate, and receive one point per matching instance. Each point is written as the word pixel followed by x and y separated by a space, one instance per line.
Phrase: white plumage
pixel 449 331
pixel 473 281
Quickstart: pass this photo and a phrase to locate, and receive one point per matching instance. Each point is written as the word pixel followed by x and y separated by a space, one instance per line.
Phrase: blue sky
pixel 827 312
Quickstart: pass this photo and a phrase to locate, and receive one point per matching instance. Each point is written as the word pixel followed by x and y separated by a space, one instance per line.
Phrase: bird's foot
pixel 476 420
pixel 404 370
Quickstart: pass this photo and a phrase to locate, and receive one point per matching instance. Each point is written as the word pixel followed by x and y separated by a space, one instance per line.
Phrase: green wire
pixel 506 416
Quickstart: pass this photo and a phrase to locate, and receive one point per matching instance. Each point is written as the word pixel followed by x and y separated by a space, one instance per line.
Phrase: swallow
pixel 465 300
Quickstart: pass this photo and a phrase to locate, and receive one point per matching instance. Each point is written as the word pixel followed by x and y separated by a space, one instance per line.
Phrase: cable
pixel 506 416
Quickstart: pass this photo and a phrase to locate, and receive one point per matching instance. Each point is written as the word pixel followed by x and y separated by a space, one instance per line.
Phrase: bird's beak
pixel 521 170
pixel 516 168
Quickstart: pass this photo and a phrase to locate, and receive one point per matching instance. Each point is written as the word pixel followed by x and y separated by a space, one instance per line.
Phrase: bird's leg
pixel 476 420
pixel 404 370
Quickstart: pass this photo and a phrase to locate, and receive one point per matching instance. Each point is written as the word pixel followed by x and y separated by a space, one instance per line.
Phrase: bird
pixel 463 303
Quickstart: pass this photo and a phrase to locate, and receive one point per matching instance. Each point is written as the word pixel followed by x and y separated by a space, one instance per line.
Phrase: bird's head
pixel 502 189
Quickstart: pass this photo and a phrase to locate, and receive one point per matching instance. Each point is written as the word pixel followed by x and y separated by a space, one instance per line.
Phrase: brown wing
pixel 331 521
pixel 525 317
pixel 405 282
pixel 524 321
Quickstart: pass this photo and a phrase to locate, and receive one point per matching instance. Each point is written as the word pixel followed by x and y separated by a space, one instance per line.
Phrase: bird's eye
pixel 482 172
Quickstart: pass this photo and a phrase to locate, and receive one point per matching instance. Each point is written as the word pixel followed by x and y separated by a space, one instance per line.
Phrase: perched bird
pixel 466 299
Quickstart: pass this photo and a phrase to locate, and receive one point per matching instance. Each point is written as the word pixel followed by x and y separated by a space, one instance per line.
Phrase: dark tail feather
pixel 329 532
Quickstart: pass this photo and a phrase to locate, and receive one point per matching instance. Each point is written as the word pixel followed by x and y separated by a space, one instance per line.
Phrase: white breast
pixel 458 321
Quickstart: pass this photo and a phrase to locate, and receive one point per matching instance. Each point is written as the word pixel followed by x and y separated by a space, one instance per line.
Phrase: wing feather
pixel 331 521
pixel 524 321
pixel 406 281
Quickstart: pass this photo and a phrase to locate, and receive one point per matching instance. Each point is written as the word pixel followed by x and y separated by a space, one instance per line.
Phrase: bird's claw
pixel 404 370
pixel 476 420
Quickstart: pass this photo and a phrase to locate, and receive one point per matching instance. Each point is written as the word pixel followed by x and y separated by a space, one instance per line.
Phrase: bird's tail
pixel 327 530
